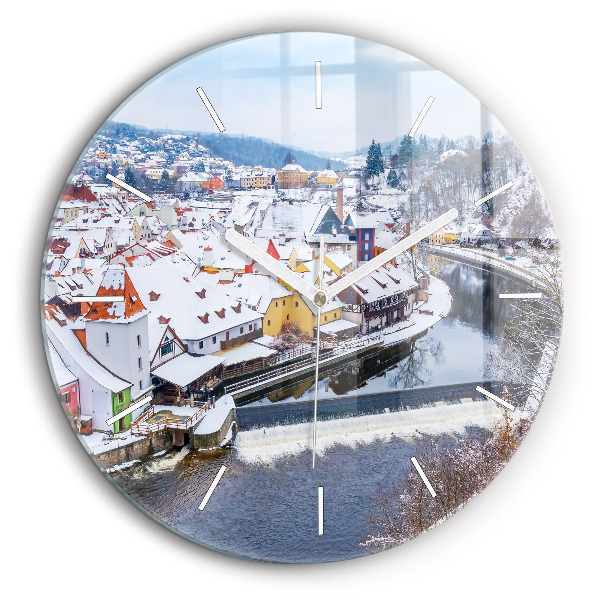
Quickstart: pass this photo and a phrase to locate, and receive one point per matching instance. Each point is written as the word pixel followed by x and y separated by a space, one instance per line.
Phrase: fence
pixel 327 356
pixel 142 427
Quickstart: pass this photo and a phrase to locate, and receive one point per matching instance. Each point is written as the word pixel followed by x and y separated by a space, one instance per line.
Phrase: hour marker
pixel 495 398
pixel 318 91
pixel 421 116
pixel 211 110
pixel 212 487
pixel 98 298
pixel 129 187
pixel 494 193
pixel 127 411
pixel 423 476
pixel 532 295
pixel 320 511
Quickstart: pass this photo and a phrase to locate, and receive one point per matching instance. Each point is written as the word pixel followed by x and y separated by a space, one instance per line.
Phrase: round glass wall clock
pixel 302 297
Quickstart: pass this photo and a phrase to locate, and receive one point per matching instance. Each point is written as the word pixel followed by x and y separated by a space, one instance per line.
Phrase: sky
pixel 264 86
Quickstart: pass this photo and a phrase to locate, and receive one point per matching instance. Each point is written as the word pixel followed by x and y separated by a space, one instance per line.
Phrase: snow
pixel 215 417
pixel 61 372
pixel 185 368
pixel 99 442
pixel 70 349
pixel 244 352
pixel 339 325
pixel 439 302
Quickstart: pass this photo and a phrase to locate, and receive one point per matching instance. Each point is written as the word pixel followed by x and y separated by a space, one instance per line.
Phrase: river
pixel 265 506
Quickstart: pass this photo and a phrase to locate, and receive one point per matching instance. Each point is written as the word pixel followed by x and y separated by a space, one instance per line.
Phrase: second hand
pixel 321 252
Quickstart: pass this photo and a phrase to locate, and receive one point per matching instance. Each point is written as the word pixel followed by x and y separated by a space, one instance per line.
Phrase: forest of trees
pixel 241 150
pixel 437 174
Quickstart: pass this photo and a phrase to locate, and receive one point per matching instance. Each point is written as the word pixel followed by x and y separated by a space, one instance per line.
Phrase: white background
pixel 66 67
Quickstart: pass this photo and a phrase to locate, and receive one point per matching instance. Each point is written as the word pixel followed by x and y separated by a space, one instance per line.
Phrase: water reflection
pixel 452 351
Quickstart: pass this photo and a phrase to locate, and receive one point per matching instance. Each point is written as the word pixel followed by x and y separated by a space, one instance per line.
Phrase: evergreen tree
pixel 405 151
pixel 114 169
pixel 328 165
pixel 423 148
pixel 129 177
pixel 164 181
pixel 440 148
pixel 392 179
pixel 289 159
pixel 379 157
pixel 374 164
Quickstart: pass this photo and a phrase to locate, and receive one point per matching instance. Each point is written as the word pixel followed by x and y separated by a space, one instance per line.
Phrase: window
pixel 366 236
pixel 140 384
pixel 366 246
pixel 214 339
pixel 139 340
pixel 166 349
pixel 241 330
pixel 335 315
pixel 140 363
pixel 326 317
pixel 296 304
pixel 284 302
pixel 107 339
pixel 200 344
pixel 66 397
pixel 287 317
pixel 269 322
pixel 276 304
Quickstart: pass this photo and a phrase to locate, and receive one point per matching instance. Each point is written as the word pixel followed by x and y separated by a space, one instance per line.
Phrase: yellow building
pixel 444 235
pixel 294 308
pixel 326 178
pixel 255 181
pixel 292 176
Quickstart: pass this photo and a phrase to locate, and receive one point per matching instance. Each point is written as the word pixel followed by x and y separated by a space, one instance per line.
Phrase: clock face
pixel 302 297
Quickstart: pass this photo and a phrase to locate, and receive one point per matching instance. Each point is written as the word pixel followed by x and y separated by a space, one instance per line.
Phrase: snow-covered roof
pixel 74 354
pixel 116 282
pixel 192 306
pixel 383 282
pixel 61 372
pixel 293 168
pixel 184 369
pixel 244 353
pixel 337 326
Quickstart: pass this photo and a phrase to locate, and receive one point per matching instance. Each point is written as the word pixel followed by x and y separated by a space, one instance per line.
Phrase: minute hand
pixel 389 254
pixel 270 264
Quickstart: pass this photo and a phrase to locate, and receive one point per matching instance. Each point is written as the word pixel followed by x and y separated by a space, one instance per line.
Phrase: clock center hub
pixel 320 298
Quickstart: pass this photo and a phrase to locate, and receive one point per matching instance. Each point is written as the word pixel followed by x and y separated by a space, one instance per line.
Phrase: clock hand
pixel 274 267
pixel 395 250
pixel 319 307
pixel 128 187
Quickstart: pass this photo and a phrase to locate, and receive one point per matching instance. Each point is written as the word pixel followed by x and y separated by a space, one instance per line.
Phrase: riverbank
pixel 439 303
pixel 488 260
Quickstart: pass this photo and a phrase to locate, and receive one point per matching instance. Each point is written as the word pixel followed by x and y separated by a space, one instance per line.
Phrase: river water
pixel 265 505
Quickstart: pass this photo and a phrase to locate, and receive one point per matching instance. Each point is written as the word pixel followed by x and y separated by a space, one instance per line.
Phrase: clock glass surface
pixel 301 298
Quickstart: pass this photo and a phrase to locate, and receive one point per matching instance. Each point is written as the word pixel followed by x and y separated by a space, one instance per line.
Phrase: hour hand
pixel 274 267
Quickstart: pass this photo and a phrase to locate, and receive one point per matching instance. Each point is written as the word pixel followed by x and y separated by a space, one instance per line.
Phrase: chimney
pixel 82 259
pixel 340 203
pixel 208 257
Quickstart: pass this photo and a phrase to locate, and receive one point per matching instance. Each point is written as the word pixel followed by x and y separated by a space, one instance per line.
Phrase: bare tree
pixel 456 472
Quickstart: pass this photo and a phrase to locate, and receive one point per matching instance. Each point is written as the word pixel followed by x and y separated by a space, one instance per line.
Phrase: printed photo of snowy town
pixel 174 354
